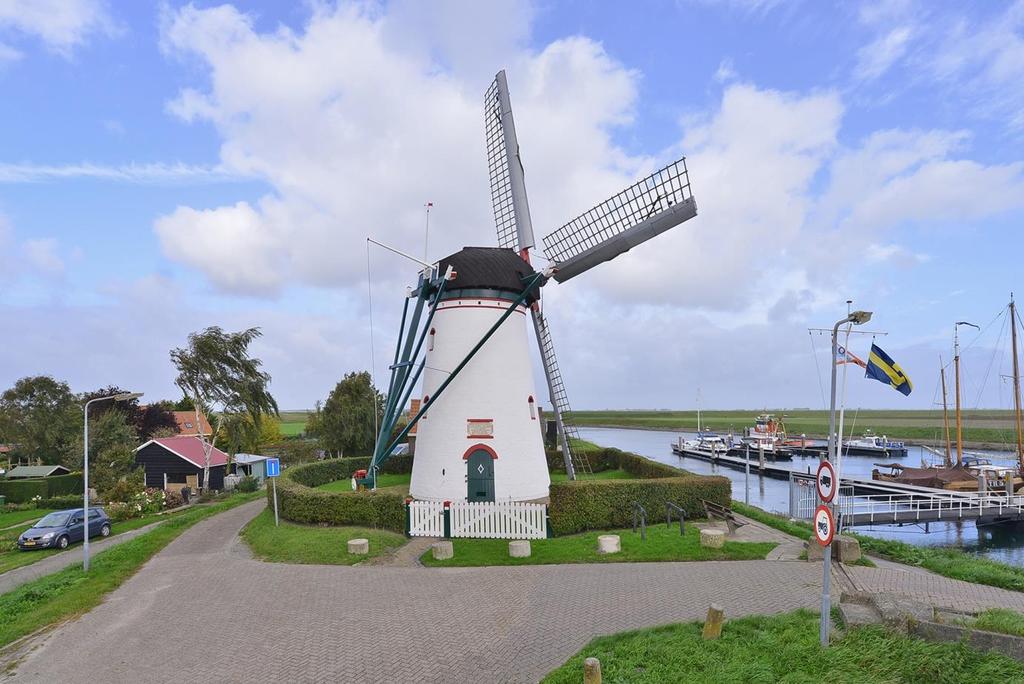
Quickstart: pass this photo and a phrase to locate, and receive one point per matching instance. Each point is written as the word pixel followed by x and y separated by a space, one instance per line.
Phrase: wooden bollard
pixel 713 623
pixel 591 671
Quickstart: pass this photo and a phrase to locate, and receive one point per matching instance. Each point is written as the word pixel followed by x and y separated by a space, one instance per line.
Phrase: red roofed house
pixel 174 462
pixel 187 423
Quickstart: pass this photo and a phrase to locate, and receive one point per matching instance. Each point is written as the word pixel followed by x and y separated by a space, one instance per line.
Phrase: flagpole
pixel 842 400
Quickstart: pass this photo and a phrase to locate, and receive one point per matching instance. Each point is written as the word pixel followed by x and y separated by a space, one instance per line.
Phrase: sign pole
pixel 277 521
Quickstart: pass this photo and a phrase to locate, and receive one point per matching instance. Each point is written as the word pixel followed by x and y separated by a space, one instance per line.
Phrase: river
pixel 999 542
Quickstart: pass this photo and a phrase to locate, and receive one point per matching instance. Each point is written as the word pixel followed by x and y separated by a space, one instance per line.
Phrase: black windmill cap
pixel 488 268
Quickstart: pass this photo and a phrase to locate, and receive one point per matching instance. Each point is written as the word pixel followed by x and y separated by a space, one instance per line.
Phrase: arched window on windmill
pixel 533 408
pixel 430 344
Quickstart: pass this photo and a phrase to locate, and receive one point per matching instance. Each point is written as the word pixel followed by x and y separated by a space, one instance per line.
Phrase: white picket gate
pixel 499 520
pixel 479 519
pixel 426 519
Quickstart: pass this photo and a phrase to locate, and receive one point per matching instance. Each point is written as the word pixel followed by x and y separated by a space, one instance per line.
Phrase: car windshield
pixel 53 520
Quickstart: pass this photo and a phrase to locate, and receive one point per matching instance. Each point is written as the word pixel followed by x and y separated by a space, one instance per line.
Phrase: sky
pixel 170 166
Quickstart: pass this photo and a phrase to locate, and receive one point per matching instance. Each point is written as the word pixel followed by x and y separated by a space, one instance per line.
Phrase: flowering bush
pixel 173 499
pixel 147 501
pixel 36 499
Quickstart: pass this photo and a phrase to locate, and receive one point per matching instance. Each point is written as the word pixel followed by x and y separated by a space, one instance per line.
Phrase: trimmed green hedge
pixel 20 491
pixel 59 485
pixel 299 502
pixel 608 504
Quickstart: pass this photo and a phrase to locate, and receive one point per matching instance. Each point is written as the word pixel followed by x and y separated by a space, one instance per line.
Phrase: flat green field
pixel 293 423
pixel 990 426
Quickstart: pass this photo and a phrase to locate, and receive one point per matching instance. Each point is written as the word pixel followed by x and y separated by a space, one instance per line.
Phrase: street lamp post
pixel 857 318
pixel 123 396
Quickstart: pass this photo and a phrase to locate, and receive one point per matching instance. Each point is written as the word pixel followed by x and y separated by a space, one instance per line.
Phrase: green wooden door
pixel 480 480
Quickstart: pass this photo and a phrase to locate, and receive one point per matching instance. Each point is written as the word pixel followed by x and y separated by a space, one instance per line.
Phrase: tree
pixel 41 418
pixel 156 420
pixel 347 424
pixel 112 442
pixel 241 435
pixel 215 370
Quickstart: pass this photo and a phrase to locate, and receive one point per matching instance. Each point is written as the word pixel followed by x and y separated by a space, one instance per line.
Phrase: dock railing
pixel 640 515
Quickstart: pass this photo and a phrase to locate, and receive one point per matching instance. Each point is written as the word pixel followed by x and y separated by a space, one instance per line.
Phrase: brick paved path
pixel 202 611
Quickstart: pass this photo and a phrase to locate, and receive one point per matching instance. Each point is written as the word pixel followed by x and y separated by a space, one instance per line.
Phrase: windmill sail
pixel 515 231
pixel 638 213
pixel 508 185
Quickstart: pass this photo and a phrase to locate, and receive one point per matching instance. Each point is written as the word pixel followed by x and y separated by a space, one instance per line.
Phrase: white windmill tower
pixel 477 431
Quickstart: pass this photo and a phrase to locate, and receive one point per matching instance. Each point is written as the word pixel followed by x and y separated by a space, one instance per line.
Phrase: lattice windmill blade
pixel 508 185
pixel 647 208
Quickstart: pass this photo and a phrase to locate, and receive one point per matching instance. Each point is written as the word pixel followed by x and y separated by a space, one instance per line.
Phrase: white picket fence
pixel 426 519
pixel 480 519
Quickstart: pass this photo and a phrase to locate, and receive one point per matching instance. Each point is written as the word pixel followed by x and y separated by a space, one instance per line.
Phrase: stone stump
pixel 847 549
pixel 609 543
pixel 815 551
pixel 712 539
pixel 442 550
pixel 359 547
pixel 519 548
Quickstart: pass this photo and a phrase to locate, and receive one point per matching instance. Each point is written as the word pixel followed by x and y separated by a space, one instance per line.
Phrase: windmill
pixel 477 432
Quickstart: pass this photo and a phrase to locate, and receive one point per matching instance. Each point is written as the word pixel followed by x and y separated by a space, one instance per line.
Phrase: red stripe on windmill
pixel 474 360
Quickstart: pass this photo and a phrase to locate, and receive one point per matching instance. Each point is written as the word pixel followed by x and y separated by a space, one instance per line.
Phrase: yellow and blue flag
pixel 881 367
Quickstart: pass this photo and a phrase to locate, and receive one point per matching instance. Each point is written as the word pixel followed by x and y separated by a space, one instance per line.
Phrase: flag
pixel 882 368
pixel 844 355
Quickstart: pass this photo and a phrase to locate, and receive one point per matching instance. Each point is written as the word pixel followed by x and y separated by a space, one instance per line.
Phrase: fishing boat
pixel 768 435
pixel 873 445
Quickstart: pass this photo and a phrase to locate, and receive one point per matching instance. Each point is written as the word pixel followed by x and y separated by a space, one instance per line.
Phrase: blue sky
pixel 167 166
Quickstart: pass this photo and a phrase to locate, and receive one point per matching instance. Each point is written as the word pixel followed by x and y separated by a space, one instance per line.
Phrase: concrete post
pixel 713 622
pixel 591 671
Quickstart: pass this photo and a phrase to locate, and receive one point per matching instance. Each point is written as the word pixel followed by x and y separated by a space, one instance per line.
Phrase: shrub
pixel 173 499
pixel 59 485
pixel 299 502
pixel 248 484
pixel 120 511
pixel 68 501
pixel 124 490
pixel 608 504
pixel 19 491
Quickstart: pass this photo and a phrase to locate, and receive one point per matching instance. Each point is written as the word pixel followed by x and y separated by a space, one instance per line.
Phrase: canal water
pixel 1000 542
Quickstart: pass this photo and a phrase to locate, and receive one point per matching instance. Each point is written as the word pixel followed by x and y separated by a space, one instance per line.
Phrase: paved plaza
pixel 202 611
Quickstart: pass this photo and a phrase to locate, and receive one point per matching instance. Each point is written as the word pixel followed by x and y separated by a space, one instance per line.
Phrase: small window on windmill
pixel 480 428
pixel 430 345
pixel 426 398
pixel 533 408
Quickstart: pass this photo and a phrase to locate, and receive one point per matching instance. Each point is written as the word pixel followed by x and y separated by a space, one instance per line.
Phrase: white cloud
pixel 878 57
pixel 62 25
pixel 41 255
pixel 8 54
pixel 355 130
pixel 725 71
pixel 159 173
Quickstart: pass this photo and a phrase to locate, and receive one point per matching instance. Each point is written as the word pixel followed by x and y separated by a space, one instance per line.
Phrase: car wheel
pixel 105 531
pixel 62 541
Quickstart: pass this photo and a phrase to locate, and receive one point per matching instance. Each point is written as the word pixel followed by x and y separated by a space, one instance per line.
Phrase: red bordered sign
pixel 824 525
pixel 826 481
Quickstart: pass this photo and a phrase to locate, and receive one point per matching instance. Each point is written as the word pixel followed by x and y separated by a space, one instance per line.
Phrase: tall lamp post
pixel 123 396
pixel 857 318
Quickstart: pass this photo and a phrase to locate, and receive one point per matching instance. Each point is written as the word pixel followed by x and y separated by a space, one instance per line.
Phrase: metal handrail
pixel 943 507
pixel 642 512
pixel 680 513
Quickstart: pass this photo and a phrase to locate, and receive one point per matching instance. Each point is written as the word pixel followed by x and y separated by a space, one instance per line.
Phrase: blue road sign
pixel 273 467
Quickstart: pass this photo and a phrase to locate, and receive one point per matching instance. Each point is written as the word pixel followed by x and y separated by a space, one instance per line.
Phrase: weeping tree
pixel 216 370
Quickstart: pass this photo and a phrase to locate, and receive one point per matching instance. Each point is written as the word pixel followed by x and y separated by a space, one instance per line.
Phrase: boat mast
pixel 1016 381
pixel 956 372
pixel 945 415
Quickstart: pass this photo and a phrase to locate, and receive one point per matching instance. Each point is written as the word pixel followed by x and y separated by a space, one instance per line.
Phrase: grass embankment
pixel 782 648
pixel 11 557
pixel 1001 620
pixel 663 544
pixel 980 426
pixel 69 592
pixel 603 475
pixel 307 544
pixel 292 423
pixel 948 562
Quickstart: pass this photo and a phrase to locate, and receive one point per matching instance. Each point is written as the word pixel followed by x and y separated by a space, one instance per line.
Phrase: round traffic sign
pixel 824 525
pixel 826 481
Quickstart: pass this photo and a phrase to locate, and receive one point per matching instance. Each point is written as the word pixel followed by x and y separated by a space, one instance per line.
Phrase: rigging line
pixel 991 362
pixel 817 366
pixel 373 365
pixel 981 332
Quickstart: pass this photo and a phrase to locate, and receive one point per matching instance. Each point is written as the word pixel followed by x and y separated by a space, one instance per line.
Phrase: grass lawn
pixel 11 557
pixel 292 423
pixel 603 475
pixel 782 648
pixel 15 517
pixel 949 562
pixel 384 481
pixel 663 544
pixel 68 592
pixel 309 544
pixel 1000 620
